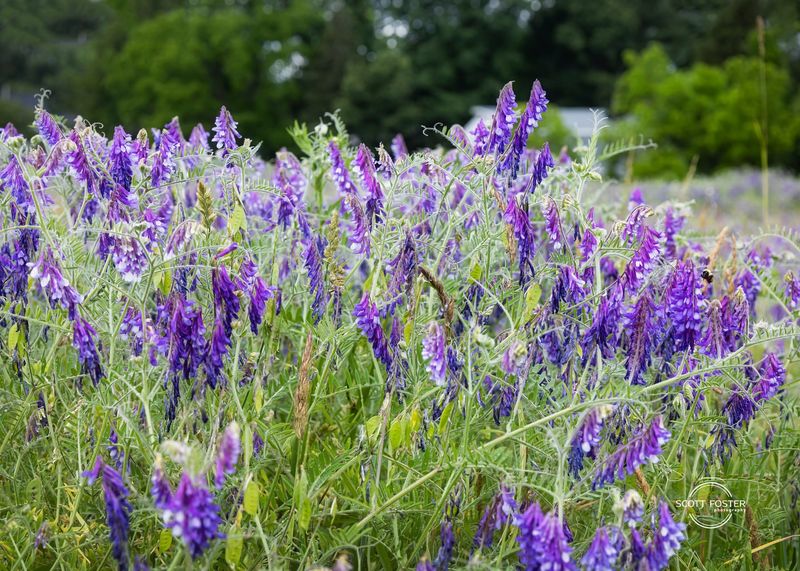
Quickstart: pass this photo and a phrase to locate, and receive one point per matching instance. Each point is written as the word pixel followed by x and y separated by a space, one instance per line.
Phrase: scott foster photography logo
pixel 711 504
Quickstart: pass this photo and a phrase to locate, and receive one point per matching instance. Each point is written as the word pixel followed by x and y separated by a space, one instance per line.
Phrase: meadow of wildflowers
pixel 350 358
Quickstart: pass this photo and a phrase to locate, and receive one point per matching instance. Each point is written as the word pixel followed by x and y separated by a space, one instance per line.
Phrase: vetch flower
pixel 433 350
pixel 159 485
pixel 316 277
pixel 503 121
pixel 643 448
pixel 553 224
pixel 642 262
pixel 642 324
pixel 543 542
pixel 192 515
pixel 442 562
pixel 544 162
pixel 339 172
pixel 602 333
pixel 47 127
pixel 523 232
pixel 364 166
pixel 120 158
pixel 83 339
pixel 118 509
pixel 631 508
pixel 228 454
pixel 667 538
pixel 772 375
pixel 602 553
pixel 713 342
pixel 225 133
pixel 399 148
pixel 480 137
pixel 684 298
pixel 366 314
pixel 587 437
pixel 12 180
pixel 534 109
pixel 54 285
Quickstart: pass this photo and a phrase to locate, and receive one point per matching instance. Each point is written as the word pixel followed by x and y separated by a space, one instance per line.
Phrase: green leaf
pixel 396 433
pixel 13 337
pixel 532 296
pixel 233 549
pixel 238 220
pixel 164 540
pixel 476 272
pixel 251 495
pixel 304 514
pixel 445 417
pixel 373 427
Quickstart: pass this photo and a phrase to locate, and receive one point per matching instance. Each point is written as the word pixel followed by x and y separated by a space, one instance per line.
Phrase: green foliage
pixel 713 113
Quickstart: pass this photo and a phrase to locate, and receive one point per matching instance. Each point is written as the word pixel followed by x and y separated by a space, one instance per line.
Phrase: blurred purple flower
pixel 192 515
pixel 83 339
pixel 366 315
pixel 602 553
pixel 433 350
pixel 228 454
pixel 47 127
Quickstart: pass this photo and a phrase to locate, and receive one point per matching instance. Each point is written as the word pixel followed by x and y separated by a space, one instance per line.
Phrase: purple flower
pixel 514 358
pixel 159 486
pixel 226 302
pixel 47 127
pixel 587 437
pixel 480 136
pixel 747 279
pixel 772 375
pixel 259 293
pixel 186 346
pixel 503 121
pixel 643 448
pixel 522 229
pixel 568 288
pixel 339 172
pixel 225 133
pixel 642 262
pixel 672 225
pixel 632 508
pixel 76 158
pixel 552 223
pixel 163 162
pixel 442 562
pixel 543 542
pixel 55 286
pixel 602 333
pixel 366 314
pixel 314 259
pixel 713 342
pixel 192 515
pixel 129 256
pixel 290 179
pixel 364 166
pixel 118 509
pixel 120 158
pixel 735 319
pixel 667 538
pixel 228 454
pixel 684 297
pixel 83 339
pixel 535 108
pixel 642 324
pixel 502 397
pixel 433 350
pixel 217 350
pixel 399 149
pixel 198 139
pixel 425 565
pixel 359 233
pixel 12 179
pixel 544 162
pixel 602 554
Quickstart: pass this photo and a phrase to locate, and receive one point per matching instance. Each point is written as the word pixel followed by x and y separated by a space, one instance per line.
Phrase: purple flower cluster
pixel 433 351
pixel 230 447
pixel 641 449
pixel 543 543
pixel 118 509
pixel 368 320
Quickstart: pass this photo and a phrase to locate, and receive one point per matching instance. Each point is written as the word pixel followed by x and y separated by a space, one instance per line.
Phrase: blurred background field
pixel 713 83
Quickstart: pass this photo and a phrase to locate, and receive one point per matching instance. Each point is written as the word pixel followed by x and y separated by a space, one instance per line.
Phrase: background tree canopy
pixel 396 65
